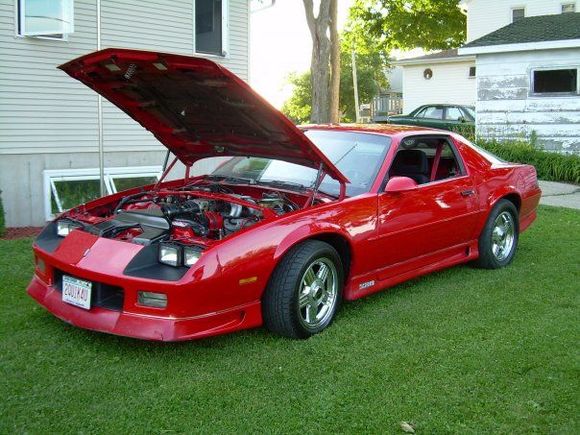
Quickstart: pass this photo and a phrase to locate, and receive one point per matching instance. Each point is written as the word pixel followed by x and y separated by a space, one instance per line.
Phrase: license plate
pixel 76 292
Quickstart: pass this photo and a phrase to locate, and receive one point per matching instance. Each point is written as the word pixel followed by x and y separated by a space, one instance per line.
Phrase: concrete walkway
pixel 560 194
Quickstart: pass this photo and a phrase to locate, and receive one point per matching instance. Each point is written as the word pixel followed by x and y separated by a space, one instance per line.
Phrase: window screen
pixel 518 14
pixel 208 27
pixel 556 81
pixel 70 193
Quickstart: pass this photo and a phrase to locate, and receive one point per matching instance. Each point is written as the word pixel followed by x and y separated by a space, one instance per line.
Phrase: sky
pixel 280 43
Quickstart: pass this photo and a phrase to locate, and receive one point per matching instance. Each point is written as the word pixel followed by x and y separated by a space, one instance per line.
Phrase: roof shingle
pixel 533 29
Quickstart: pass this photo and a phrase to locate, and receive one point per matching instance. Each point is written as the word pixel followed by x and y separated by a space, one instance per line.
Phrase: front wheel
pixel 305 290
pixel 499 239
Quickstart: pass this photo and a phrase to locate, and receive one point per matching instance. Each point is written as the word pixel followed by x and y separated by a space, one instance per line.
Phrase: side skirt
pixel 365 285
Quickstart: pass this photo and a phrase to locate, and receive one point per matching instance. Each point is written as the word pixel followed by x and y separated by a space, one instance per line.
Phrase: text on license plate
pixel 76 292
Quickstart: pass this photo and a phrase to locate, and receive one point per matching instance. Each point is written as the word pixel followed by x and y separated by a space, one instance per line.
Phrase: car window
pixel 432 112
pixel 426 159
pixel 419 113
pixel 469 113
pixel 454 114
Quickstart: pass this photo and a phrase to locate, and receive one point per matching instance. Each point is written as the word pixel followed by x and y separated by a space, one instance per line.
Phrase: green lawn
pixel 463 350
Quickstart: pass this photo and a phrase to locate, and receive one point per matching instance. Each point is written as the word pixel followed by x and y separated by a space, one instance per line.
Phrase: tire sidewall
pixel 324 252
pixel 486 237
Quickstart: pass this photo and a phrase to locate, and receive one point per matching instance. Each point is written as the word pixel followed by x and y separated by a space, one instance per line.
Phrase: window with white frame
pixel 518 14
pixel 211 26
pixel 562 81
pixel 568 8
pixel 45 18
pixel 67 188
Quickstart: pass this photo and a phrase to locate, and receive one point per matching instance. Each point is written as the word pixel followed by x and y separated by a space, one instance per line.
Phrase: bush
pixel 2 221
pixel 549 165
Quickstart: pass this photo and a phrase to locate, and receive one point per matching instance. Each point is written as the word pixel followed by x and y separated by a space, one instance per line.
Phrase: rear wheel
pixel 305 291
pixel 499 239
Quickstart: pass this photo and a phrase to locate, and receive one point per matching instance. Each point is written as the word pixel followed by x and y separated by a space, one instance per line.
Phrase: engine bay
pixel 198 214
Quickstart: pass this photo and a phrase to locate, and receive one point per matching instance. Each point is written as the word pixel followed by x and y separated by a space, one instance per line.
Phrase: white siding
pixel 506 110
pixel 49 121
pixel 486 16
pixel 450 84
pixel 41 108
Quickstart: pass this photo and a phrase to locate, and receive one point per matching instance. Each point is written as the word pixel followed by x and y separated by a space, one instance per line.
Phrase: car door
pixel 428 224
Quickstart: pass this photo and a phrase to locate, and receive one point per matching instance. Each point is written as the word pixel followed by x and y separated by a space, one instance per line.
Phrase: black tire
pixel 280 304
pixel 488 255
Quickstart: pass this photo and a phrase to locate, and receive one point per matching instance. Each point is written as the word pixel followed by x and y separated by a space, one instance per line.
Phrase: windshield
pixel 357 155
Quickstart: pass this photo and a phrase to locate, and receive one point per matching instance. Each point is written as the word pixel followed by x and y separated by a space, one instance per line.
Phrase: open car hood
pixel 195 107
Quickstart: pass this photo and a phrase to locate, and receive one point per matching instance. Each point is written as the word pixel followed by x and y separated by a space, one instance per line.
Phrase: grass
pixel 463 350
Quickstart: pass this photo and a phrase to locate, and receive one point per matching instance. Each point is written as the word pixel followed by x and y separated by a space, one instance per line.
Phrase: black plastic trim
pixel 48 240
pixel 146 265
pixel 103 295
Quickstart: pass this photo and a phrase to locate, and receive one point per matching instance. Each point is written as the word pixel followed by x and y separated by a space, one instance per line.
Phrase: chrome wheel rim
pixel 503 236
pixel 317 293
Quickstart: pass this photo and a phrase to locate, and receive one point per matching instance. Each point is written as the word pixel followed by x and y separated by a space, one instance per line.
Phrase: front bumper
pixel 146 326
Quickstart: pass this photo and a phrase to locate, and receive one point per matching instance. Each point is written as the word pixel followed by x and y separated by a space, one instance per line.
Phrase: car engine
pixel 191 216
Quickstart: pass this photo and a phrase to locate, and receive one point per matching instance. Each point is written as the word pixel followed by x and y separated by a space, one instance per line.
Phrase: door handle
pixel 468 192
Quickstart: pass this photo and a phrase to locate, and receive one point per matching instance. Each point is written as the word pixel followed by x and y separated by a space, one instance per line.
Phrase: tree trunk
pixel 334 64
pixel 320 63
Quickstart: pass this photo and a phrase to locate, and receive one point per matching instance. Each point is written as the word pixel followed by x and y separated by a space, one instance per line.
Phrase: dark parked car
pixel 444 116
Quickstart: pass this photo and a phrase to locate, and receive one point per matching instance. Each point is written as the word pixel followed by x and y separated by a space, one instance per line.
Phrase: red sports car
pixel 270 224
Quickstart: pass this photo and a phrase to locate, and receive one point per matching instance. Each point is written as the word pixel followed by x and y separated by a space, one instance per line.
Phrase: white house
pixel 52 127
pixel 439 78
pixel 450 76
pixel 528 81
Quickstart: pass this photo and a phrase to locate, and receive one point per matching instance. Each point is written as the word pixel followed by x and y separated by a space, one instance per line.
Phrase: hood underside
pixel 195 107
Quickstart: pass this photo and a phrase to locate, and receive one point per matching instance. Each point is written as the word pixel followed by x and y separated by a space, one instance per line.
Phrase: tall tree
pixel 371 69
pixel 405 24
pixel 334 64
pixel 324 90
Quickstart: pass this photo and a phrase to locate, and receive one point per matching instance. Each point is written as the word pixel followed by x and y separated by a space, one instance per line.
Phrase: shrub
pixel 549 165
pixel 2 221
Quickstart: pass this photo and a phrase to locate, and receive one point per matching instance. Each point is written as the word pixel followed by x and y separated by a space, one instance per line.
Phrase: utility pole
pixel 101 139
pixel 355 87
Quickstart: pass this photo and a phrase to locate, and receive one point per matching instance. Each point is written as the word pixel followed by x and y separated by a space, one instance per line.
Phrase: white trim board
pixel 527 46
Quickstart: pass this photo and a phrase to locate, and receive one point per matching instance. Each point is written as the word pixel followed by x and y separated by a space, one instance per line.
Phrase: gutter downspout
pixel 101 142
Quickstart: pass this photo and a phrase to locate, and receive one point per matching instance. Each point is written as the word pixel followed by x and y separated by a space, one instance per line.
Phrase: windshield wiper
pixel 285 184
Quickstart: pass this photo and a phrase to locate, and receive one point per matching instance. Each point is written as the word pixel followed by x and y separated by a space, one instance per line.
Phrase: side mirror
pixel 400 184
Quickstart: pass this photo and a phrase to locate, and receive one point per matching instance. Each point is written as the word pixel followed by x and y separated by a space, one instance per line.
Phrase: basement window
pixel 211 26
pixel 67 188
pixel 555 81
pixel 50 19
pixel 518 14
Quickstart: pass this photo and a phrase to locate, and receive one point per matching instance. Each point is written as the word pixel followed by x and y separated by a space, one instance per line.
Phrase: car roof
pixel 392 130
